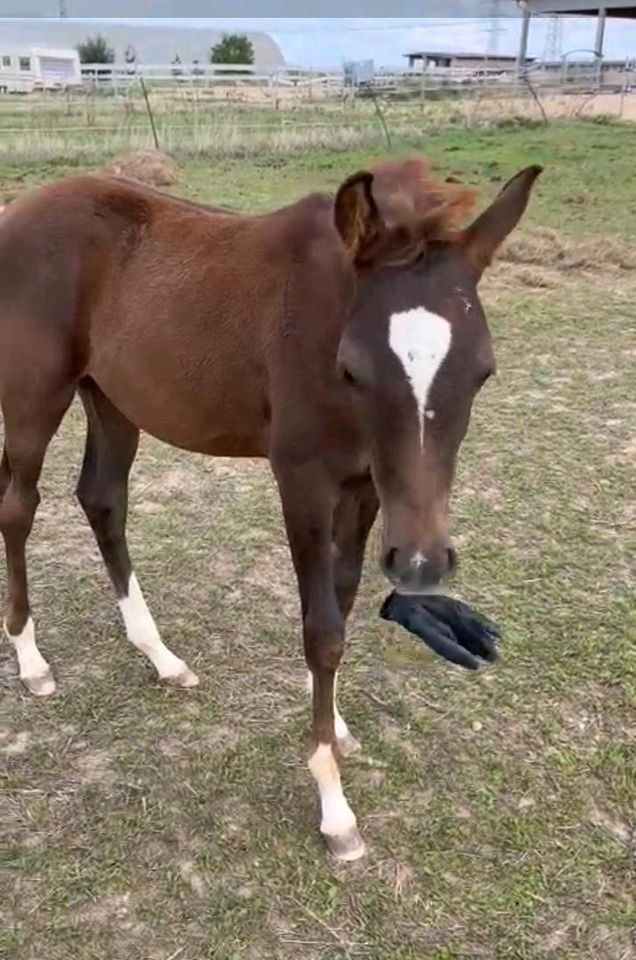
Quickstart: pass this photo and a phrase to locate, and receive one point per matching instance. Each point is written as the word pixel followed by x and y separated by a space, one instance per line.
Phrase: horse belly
pixel 202 405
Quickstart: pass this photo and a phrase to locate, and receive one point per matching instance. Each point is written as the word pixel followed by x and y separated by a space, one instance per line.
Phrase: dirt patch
pixel 14 745
pixel 191 876
pixel 614 825
pixel 147 166
pixel 95 767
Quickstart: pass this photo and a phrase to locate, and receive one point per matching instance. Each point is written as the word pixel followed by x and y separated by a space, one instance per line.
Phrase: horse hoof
pixel 185 678
pixel 42 686
pixel 348 745
pixel 346 846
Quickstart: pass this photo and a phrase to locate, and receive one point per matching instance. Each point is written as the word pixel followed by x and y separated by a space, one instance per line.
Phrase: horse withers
pixel 342 338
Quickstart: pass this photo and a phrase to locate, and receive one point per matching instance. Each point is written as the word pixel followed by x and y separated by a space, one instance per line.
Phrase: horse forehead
pixel 421 340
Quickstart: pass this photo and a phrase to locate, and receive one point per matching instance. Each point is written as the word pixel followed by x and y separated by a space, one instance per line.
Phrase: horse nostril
pixel 389 559
pixel 452 559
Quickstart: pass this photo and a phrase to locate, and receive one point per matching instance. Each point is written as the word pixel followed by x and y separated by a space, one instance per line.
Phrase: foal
pixel 341 338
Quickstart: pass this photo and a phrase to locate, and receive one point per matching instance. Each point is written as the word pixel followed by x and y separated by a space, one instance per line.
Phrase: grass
pixel 195 122
pixel 87 126
pixel 499 809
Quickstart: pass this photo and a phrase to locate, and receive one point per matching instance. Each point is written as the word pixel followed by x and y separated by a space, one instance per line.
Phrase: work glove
pixel 447 626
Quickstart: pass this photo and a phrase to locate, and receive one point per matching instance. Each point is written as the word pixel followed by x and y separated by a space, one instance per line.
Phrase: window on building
pixel 6 61
pixel 25 63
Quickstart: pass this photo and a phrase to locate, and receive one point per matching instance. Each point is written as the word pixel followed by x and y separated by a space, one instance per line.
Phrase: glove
pixel 447 626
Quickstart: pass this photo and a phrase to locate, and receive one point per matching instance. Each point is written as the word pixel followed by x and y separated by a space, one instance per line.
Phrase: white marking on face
pixel 142 632
pixel 34 671
pixel 337 816
pixel 420 340
pixel 429 414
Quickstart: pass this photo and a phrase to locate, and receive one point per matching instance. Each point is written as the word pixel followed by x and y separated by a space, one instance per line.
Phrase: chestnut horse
pixel 343 339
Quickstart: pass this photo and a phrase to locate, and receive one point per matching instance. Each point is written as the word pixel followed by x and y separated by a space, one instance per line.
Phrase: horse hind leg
pixel 30 422
pixel 111 446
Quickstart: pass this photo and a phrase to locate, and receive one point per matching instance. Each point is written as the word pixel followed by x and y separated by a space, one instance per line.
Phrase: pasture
pixel 151 823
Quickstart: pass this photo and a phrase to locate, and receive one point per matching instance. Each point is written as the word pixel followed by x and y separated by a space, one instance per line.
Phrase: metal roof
pixel 581 8
pixel 454 55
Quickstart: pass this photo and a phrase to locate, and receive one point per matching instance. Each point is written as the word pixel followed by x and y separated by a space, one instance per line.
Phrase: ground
pixel 146 823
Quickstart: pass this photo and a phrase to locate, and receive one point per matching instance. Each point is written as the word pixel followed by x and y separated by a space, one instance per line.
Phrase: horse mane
pixel 415 209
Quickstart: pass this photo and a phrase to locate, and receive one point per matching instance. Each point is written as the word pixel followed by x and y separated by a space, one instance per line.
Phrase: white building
pixel 152 43
pixel 24 69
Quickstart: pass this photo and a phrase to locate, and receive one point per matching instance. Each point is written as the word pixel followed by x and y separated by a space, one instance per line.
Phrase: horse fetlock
pixel 33 670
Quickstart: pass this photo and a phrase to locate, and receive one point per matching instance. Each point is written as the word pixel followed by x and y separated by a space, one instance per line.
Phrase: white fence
pixel 564 76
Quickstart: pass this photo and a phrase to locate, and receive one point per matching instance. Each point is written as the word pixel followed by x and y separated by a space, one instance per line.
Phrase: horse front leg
pixel 308 506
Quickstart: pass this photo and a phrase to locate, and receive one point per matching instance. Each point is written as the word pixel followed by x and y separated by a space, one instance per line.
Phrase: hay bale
pixel 544 247
pixel 147 166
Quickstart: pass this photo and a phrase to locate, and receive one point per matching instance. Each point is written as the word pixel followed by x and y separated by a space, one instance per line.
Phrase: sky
pixel 327 41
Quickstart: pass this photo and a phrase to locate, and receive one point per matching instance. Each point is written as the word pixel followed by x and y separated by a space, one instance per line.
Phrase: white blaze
pixel 420 340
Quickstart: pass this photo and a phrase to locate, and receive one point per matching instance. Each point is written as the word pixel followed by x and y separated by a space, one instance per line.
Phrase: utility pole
pixel 63 10
pixel 522 55
pixel 598 44
pixel 554 39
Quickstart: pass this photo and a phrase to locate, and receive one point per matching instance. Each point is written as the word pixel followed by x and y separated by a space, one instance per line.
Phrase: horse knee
pixel 17 510
pixel 324 641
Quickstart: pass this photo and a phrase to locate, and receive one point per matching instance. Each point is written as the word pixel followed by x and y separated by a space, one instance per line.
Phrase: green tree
pixel 95 50
pixel 233 48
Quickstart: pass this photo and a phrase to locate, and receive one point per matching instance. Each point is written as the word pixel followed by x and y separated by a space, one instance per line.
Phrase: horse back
pixel 178 311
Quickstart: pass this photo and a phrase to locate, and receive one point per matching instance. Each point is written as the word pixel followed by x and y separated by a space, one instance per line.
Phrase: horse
pixel 341 337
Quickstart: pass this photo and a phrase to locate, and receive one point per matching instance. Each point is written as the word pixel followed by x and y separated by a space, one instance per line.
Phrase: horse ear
pixel 491 227
pixel 356 214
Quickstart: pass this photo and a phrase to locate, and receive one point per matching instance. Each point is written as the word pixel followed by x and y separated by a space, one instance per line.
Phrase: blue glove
pixel 447 626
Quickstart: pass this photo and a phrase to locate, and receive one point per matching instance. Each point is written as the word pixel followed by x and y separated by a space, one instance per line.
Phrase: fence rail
pixel 563 74
pixel 223 110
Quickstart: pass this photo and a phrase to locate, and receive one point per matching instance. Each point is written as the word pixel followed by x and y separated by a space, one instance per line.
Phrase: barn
pixel 151 43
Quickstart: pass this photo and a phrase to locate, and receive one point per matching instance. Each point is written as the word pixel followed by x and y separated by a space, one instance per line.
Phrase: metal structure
pixel 578 8
pixel 358 72
pixel 554 39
